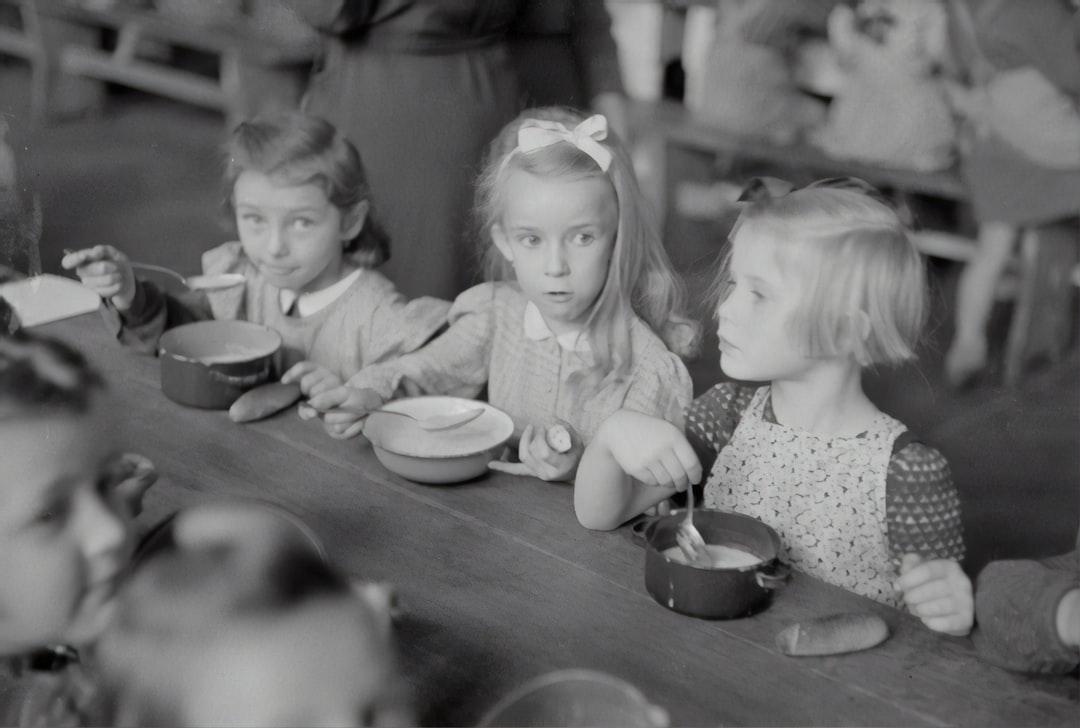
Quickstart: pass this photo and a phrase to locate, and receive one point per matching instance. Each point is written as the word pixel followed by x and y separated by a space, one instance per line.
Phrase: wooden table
pixel 499 583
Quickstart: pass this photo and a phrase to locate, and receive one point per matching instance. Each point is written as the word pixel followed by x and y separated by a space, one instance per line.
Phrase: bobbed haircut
pixel 849 256
pixel 42 375
pixel 297 149
pixel 640 277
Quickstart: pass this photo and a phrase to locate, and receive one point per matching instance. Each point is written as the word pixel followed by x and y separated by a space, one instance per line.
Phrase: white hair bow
pixel 536 134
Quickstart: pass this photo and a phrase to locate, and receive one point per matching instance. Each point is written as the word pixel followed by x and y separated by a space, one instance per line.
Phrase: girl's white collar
pixel 536 328
pixel 309 303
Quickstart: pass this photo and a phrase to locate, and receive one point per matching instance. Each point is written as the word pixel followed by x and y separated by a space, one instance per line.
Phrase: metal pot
pixel 209 364
pixel 713 592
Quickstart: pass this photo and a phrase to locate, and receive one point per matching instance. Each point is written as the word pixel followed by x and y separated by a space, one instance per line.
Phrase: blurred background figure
pixel 419 87
pixel 422 86
pixel 1021 151
pixel 890 108
pixel 564 55
pixel 750 85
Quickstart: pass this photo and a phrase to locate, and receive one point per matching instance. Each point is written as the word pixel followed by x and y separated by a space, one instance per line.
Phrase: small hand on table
pixel 938 592
pixel 548 453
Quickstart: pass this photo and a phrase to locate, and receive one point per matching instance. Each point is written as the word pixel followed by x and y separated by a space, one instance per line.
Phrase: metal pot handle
pixel 774 575
pixel 641 529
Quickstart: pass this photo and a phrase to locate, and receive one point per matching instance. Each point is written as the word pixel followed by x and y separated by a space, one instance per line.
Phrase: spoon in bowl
pixel 437 422
pixel 688 537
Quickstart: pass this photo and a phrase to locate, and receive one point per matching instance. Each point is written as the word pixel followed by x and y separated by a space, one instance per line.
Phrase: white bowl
pixel 446 456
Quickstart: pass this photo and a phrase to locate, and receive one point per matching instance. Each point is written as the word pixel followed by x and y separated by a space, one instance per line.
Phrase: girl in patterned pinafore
pixel 817 285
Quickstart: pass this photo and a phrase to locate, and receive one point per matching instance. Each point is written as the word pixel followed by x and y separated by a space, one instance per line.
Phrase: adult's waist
pixel 385 41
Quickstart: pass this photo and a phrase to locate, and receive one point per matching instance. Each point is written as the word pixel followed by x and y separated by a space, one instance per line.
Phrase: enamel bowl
pixel 447 456
pixel 209 364
pixel 718 591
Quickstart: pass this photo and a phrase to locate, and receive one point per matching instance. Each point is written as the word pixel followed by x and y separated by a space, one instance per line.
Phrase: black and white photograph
pixel 636 363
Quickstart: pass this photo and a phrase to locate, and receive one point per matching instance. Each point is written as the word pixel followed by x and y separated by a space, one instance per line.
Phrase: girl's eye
pixel 303 223
pixel 251 218
pixel 584 238
pixel 529 241
pixel 758 295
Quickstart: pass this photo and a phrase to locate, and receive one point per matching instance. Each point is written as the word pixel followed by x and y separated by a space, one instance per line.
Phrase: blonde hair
pixel 862 281
pixel 640 277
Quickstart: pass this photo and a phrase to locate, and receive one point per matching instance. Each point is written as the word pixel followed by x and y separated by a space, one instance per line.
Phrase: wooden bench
pixel 256 71
pixel 673 141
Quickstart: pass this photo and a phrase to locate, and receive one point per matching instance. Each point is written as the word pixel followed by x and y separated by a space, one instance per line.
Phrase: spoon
pixel 688 537
pixel 196 283
pixel 437 422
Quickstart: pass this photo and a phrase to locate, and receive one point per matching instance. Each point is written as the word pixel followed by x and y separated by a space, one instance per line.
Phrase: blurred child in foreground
pixel 1027 613
pixel 67 497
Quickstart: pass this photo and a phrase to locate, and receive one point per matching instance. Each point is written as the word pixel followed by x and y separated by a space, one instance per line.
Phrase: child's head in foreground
pixel 65 534
pixel 301 200
pixel 820 273
pixel 559 199
pixel 238 620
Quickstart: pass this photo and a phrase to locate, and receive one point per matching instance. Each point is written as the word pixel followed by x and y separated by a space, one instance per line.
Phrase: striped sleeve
pixel 454 363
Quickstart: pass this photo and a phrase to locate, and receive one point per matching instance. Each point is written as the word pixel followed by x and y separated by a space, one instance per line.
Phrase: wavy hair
pixel 303 149
pixel 640 279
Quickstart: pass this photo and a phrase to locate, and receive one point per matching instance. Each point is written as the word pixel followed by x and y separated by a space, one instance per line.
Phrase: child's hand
pixel 549 453
pixel 134 475
pixel 1068 618
pixel 938 592
pixel 106 271
pixel 343 409
pixel 650 450
pixel 313 378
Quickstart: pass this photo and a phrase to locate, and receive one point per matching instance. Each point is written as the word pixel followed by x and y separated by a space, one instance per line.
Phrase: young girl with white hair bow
pixel 582 314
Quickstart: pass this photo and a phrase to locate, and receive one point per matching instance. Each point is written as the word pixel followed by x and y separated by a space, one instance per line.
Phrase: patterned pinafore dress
pixel 825 497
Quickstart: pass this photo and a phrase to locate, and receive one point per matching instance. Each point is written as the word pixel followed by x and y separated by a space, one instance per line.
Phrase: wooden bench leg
pixel 1043 318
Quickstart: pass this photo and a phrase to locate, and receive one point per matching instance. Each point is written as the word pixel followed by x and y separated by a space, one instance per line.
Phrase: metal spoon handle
pixel 159 269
